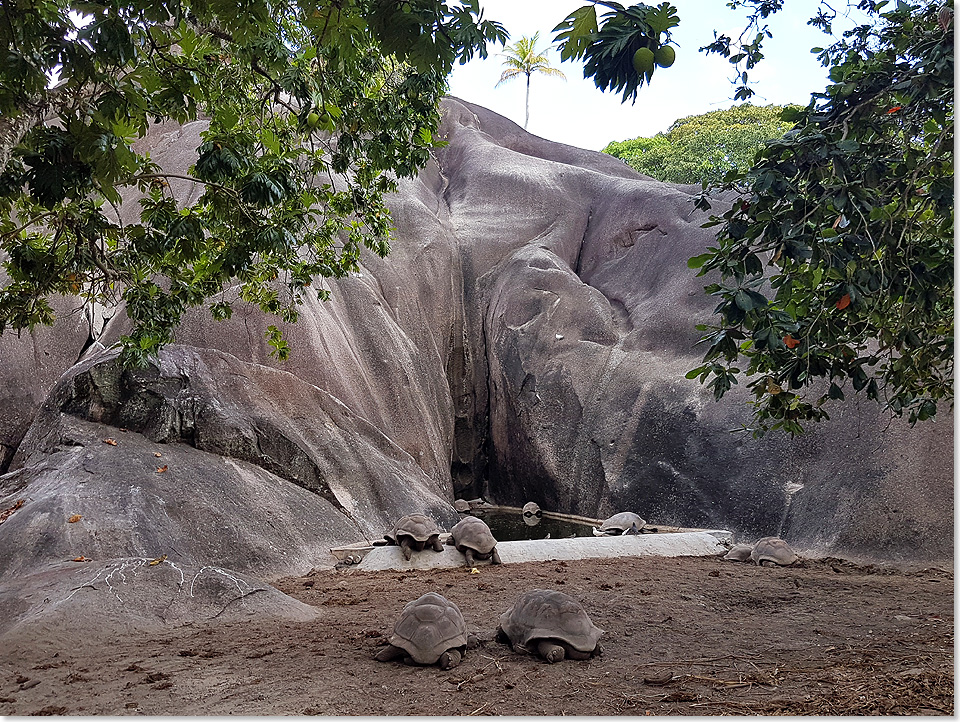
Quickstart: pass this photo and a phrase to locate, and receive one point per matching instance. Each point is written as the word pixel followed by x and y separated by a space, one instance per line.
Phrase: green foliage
pixel 746 51
pixel 608 48
pixel 836 265
pixel 704 148
pixel 314 108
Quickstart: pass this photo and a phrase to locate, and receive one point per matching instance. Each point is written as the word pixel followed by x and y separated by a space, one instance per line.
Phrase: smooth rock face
pixel 586 310
pixel 30 365
pixel 526 340
pixel 200 509
pixel 129 595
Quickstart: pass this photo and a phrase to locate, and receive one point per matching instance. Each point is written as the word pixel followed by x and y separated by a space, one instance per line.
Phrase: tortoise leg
pixel 577 654
pixel 468 553
pixel 495 557
pixel 406 546
pixel 450 659
pixel 550 651
pixel 389 652
pixel 437 545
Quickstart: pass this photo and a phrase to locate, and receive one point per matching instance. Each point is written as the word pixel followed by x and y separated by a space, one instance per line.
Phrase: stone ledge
pixel 683 544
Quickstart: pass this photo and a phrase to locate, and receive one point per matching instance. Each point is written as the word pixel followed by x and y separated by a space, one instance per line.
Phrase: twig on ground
pixel 705 660
pixel 729 683
pixel 748 705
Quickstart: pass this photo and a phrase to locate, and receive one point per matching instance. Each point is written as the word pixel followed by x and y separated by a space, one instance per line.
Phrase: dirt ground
pixel 687 636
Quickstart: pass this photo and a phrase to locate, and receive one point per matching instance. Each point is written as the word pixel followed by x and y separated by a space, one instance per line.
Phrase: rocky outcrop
pixel 526 339
pixel 101 600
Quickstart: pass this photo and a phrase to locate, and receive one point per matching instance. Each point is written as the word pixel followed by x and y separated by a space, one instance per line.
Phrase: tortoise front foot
pixel 471 562
pixel 495 557
pixel 406 549
pixel 551 652
pixel 437 544
pixel 450 659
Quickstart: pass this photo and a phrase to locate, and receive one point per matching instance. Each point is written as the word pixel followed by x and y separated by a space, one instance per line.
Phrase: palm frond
pixel 508 75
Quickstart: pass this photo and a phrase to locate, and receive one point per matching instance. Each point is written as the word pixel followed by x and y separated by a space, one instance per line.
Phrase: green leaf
pixel 662 18
pixel 227 117
pixel 270 141
pixel 281 349
pixel 698 261
pixel 694 373
pixel 576 32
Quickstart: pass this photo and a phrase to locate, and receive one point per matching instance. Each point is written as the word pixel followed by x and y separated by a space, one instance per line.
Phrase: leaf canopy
pixel 845 230
pixel 704 148
pixel 315 108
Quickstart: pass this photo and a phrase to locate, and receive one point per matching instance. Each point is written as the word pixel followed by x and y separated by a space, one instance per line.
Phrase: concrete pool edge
pixel 679 544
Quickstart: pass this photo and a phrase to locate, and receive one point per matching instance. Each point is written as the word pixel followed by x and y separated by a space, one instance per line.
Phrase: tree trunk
pixel 527 119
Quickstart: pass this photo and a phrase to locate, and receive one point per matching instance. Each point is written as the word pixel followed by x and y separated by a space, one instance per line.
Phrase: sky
pixel 577 113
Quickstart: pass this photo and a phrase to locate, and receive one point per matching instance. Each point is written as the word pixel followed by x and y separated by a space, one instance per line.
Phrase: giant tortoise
pixel 626 522
pixel 772 550
pixel 473 538
pixel 429 630
pixel 551 624
pixel 739 553
pixel 411 533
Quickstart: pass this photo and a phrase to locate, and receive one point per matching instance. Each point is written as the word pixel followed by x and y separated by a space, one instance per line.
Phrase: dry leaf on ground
pixel 7 513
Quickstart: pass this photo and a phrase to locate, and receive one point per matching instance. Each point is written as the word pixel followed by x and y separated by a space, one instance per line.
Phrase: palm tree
pixel 522 58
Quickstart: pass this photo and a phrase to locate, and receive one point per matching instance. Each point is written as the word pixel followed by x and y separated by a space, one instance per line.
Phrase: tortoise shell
pixel 548 614
pixel 417 526
pixel 739 553
pixel 773 549
pixel 622 521
pixel 473 533
pixel 429 626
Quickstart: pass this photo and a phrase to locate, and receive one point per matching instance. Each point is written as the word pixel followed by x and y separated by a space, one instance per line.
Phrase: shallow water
pixel 510 526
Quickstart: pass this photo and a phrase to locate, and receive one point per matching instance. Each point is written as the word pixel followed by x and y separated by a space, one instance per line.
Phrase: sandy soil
pixel 691 636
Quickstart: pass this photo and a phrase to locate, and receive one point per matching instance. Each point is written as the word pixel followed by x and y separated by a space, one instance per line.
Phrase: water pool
pixel 511 526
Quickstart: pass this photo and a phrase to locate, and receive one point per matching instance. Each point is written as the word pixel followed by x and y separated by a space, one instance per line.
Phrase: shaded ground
pixel 691 636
